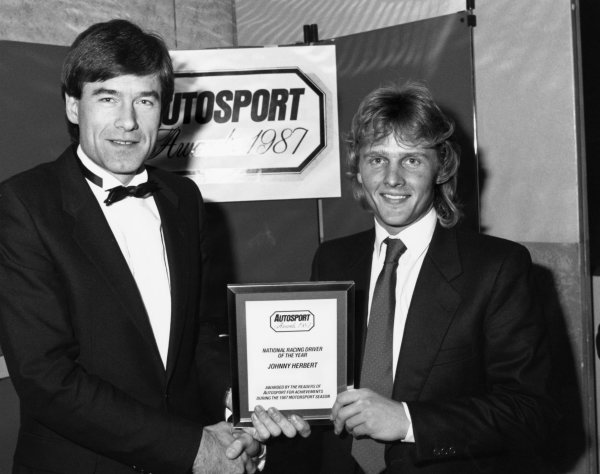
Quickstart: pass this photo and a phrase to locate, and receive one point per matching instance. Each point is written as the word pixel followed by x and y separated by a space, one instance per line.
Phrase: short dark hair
pixel 115 48
pixel 410 114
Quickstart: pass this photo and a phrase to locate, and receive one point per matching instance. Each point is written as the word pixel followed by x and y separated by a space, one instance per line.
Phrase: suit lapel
pixel 176 246
pixel 93 234
pixel 433 305
pixel 359 258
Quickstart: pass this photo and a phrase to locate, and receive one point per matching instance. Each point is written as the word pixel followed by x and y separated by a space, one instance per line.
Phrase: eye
pixel 411 162
pixel 107 99
pixel 146 102
pixel 376 160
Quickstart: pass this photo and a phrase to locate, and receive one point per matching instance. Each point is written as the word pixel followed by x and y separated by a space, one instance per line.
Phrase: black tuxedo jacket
pixel 473 365
pixel 95 396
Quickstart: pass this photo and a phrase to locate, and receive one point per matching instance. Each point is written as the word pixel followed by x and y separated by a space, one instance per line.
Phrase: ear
pixel 359 178
pixel 442 175
pixel 72 109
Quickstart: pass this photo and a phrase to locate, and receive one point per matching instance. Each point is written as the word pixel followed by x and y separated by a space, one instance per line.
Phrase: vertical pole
pixel 471 23
pixel 320 220
pixel 175 22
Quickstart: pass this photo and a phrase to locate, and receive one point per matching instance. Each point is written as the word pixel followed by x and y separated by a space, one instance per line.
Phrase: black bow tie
pixel 118 193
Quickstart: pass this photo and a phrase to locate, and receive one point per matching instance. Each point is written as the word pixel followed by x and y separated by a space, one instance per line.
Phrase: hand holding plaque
pixel 272 423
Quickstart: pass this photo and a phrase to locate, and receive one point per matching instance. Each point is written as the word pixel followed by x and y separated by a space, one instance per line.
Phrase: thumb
pixel 235 449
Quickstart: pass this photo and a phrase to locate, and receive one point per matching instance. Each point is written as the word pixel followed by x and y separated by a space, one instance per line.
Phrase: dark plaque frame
pixel 238 295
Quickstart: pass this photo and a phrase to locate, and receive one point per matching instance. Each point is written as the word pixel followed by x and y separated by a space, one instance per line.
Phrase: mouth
pixel 123 142
pixel 394 198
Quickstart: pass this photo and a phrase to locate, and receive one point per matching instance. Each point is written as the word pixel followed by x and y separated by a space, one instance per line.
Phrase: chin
pixel 397 222
pixel 129 167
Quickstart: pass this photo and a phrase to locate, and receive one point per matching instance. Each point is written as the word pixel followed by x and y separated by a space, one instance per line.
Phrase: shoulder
pixel 180 193
pixel 488 244
pixel 180 185
pixel 167 176
pixel 345 252
pixel 477 252
pixel 349 243
pixel 344 258
pixel 41 182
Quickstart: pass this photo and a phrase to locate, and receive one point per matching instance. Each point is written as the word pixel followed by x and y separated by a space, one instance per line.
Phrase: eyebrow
pixel 104 90
pixel 375 153
pixel 403 154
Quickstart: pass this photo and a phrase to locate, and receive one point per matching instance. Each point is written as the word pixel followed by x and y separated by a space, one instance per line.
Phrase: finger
pixel 267 421
pixel 243 462
pixel 242 445
pixel 344 414
pixel 301 425
pixel 359 429
pixel 261 431
pixel 336 407
pixel 356 424
pixel 250 466
pixel 235 449
pixel 343 399
pixel 251 446
pixel 285 425
pixel 251 431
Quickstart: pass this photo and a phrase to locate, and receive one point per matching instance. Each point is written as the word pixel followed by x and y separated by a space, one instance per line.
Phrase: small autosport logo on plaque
pixel 292 321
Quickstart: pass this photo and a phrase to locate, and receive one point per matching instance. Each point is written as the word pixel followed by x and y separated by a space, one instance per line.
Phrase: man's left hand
pixel 272 423
pixel 365 413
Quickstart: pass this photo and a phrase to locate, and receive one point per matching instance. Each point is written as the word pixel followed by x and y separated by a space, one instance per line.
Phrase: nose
pixel 394 175
pixel 127 119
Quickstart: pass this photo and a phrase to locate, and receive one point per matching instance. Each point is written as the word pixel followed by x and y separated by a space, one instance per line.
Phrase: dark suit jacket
pixel 473 365
pixel 95 396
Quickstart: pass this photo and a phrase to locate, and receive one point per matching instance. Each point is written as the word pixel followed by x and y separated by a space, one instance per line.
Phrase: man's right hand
pixel 222 453
pixel 362 412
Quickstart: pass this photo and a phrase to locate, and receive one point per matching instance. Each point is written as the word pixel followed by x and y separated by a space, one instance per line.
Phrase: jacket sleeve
pixel 41 346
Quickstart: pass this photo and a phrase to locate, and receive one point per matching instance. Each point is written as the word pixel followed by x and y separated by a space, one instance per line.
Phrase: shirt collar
pixel 416 236
pixel 108 180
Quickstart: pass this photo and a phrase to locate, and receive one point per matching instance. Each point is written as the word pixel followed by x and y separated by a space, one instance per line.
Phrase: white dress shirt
pixel 416 238
pixel 136 225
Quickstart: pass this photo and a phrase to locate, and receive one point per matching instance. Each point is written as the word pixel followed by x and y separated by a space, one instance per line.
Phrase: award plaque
pixel 291 347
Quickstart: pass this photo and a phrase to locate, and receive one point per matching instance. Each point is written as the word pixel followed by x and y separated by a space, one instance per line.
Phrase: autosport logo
pixel 252 121
pixel 292 321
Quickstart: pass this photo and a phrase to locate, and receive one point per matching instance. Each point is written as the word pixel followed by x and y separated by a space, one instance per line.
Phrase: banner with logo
pixel 254 123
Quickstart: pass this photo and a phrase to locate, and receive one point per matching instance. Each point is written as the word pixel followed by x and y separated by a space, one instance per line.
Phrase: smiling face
pixel 118 122
pixel 398 180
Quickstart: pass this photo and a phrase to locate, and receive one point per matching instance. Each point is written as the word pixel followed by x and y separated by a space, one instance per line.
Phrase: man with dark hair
pixel 101 265
pixel 452 364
